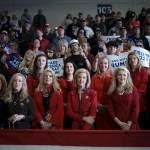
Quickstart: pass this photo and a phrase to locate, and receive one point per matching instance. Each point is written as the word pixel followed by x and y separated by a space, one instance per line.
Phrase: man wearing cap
pixel 100 25
pixel 43 42
pixel 47 33
pixel 61 35
pixel 116 28
pixel 27 35
pixel 72 28
pixel 89 31
pixel 25 17
pixel 137 36
pixel 123 36
pixel 6 25
pixel 78 56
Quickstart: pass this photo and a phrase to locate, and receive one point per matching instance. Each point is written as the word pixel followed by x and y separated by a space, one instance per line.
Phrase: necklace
pixel 120 91
pixel 15 101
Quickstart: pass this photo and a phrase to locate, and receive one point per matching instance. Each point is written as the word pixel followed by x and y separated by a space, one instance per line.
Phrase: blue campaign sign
pixel 104 9
pixel 13 62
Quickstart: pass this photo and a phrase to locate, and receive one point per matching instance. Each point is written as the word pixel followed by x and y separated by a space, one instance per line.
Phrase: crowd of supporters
pixel 88 95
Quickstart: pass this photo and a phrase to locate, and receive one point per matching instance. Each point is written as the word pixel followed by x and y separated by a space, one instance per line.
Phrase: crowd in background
pixel 88 96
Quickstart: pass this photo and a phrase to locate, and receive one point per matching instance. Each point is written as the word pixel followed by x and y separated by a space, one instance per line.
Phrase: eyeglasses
pixel 139 45
pixel 50 52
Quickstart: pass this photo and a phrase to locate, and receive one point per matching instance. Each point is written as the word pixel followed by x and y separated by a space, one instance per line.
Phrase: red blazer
pixel 88 108
pixel 140 81
pixel 66 87
pixel 125 107
pixel 32 84
pixel 56 108
pixel 101 85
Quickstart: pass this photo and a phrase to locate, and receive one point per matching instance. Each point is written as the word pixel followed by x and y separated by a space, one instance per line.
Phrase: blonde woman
pixel 3 86
pixel 27 63
pixel 101 82
pixel 82 102
pixel 123 102
pixel 62 49
pixel 139 76
pixel 20 109
pixel 48 102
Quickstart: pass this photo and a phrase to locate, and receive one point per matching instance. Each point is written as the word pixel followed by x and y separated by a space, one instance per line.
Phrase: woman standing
pixel 66 83
pixel 40 63
pixel 27 63
pixel 3 86
pixel 20 109
pixel 123 102
pixel 48 102
pixel 139 77
pixel 101 82
pixel 82 102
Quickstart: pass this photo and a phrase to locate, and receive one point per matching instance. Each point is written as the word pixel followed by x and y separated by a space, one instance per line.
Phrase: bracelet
pixel 129 124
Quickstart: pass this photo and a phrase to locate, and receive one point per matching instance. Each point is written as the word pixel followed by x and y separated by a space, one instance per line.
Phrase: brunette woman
pixel 66 83
pixel 40 63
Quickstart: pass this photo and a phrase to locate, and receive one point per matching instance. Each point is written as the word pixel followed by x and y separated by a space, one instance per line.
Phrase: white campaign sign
pixel 117 61
pixel 57 66
pixel 144 55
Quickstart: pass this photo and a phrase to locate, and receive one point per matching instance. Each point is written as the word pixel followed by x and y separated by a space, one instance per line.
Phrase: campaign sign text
pixel 13 62
pixel 57 66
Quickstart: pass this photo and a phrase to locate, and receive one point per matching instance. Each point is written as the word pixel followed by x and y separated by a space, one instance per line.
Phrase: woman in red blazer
pixel 123 102
pixel 101 82
pixel 48 102
pixel 139 77
pixel 40 63
pixel 82 102
pixel 66 83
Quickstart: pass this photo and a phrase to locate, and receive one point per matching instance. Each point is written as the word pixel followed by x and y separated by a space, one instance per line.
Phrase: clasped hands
pixel 45 125
pixel 89 119
pixel 16 117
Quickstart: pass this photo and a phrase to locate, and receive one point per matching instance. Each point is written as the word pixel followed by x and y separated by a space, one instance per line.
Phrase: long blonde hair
pixel 114 83
pixel 54 81
pixel 139 65
pixel 82 70
pixel 3 86
pixel 100 59
pixel 24 93
pixel 24 63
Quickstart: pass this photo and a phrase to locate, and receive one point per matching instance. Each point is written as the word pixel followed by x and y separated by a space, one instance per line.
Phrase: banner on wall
pixel 105 9
pixel 144 55
pixel 57 66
